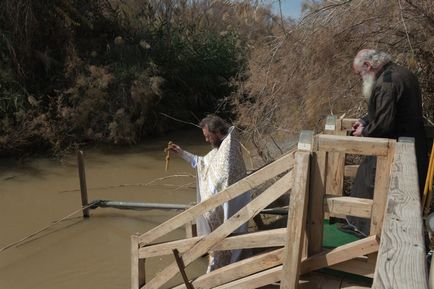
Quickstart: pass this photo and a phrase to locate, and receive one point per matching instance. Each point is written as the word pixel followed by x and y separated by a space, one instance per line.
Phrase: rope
pixel 13 244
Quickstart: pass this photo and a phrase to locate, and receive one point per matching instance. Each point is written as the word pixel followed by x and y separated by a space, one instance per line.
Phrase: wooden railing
pixel 314 180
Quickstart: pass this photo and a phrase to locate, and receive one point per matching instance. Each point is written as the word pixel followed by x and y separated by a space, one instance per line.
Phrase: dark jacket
pixel 395 110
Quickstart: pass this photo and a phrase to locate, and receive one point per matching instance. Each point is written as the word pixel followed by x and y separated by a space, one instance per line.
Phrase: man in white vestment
pixel 220 168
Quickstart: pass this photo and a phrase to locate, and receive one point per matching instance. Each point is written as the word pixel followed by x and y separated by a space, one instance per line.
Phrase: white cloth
pixel 216 171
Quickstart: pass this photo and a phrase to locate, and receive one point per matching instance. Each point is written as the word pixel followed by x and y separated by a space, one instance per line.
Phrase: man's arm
pixel 189 157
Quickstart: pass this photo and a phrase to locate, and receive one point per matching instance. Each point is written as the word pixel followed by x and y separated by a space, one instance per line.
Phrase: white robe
pixel 216 171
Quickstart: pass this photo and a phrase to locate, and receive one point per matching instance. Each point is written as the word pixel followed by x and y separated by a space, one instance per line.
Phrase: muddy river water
pixel 95 252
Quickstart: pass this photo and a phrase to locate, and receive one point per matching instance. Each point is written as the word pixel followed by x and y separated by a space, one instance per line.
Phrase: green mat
pixel 332 238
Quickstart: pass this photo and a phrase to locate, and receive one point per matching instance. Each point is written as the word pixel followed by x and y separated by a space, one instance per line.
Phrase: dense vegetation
pixel 303 73
pixel 110 71
pixel 75 71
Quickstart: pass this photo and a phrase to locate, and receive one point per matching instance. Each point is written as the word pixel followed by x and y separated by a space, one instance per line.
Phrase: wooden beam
pixel 297 214
pixel 382 179
pixel 350 170
pixel 401 258
pixel 260 270
pixel 341 254
pixel 349 206
pixel 270 171
pixel 347 123
pixel 257 280
pixel 208 242
pixel 238 270
pixel 261 239
pixel 316 202
pixel 352 145
pixel 137 264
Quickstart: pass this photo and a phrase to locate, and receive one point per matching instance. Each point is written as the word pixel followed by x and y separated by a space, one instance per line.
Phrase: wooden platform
pixel 324 281
pixel 312 175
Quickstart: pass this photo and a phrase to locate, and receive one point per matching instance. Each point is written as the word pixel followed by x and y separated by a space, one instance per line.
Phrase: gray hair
pixel 376 58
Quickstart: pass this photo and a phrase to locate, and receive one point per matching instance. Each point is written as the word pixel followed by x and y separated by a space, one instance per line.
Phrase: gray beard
pixel 368 85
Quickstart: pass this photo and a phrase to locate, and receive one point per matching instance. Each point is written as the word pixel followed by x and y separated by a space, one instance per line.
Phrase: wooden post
pixel 297 213
pixel 382 180
pixel 335 160
pixel 315 221
pixel 137 264
pixel 83 187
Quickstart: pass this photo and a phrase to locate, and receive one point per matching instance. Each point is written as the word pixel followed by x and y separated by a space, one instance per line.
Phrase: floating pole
pixel 83 187
pixel 138 206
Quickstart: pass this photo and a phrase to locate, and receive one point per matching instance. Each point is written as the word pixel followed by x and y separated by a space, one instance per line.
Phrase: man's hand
pixel 175 148
pixel 357 128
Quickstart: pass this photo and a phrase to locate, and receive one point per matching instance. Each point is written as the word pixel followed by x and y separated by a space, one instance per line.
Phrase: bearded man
pixel 394 110
pixel 220 168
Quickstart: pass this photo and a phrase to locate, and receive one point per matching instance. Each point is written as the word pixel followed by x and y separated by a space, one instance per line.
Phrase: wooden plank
pixel 234 274
pixel 256 280
pixel 316 202
pixel 382 179
pixel 347 123
pixel 335 167
pixel 352 285
pixel 189 230
pixel 335 173
pixel 238 270
pixel 349 206
pixel 350 170
pixel 270 171
pixel 358 266
pixel 352 145
pixel 297 214
pixel 261 239
pixel 137 264
pixel 341 254
pixel 207 243
pixel 401 258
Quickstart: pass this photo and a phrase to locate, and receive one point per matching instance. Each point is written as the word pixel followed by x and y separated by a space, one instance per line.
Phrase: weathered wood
pixel 83 186
pixel 189 230
pixel 352 145
pixel 270 171
pixel 316 204
pixel 347 123
pixel 297 214
pixel 335 166
pixel 341 254
pixel 256 280
pixel 265 261
pixel 382 179
pixel 352 285
pixel 261 239
pixel 358 266
pixel 207 243
pixel 335 173
pixel 137 264
pixel 401 257
pixel 350 170
pixel 349 206
pixel 238 270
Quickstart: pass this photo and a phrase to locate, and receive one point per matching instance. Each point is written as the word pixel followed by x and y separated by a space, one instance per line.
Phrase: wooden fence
pixel 314 180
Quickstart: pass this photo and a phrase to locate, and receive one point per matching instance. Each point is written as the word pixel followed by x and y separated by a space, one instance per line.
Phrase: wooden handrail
pixel 401 257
